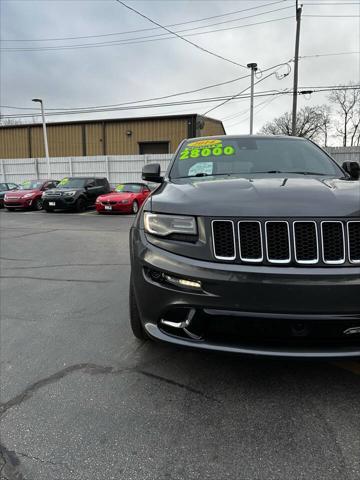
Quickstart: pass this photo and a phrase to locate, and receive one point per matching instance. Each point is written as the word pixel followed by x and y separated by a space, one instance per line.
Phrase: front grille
pixel 107 202
pixel 278 242
pixel 250 242
pixel 53 194
pixel 224 239
pixel 307 242
pixel 333 242
pixel 354 241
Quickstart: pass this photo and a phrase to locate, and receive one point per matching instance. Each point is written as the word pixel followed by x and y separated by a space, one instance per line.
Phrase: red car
pixel 126 198
pixel 28 195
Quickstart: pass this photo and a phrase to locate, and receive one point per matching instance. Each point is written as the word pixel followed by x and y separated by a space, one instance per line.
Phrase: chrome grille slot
pixel 306 242
pixel 250 241
pixel 353 231
pixel 223 234
pixel 333 242
pixel 278 242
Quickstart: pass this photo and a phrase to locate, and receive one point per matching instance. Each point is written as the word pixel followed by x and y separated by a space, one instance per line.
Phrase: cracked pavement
pixel 81 399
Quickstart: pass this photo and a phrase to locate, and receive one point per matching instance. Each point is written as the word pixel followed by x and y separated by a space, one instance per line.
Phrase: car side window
pixel 90 183
pixel 12 186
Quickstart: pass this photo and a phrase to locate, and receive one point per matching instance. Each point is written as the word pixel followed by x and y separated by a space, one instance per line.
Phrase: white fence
pixel 117 168
pixel 344 154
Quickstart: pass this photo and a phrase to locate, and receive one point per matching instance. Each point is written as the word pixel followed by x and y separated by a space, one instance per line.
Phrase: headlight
pixel 70 194
pixel 124 201
pixel 164 225
pixel 29 195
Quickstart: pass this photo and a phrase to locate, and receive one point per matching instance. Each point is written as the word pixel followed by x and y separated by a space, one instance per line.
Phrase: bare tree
pixel 347 104
pixel 312 122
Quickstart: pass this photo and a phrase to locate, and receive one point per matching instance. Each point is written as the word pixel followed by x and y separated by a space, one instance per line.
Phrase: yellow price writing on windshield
pixel 217 151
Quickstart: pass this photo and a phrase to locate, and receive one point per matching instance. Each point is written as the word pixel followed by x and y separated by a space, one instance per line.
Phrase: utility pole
pixel 296 68
pixel 253 67
pixel 38 100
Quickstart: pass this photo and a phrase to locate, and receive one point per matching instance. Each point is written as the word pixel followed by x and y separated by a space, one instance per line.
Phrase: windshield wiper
pixel 296 173
pixel 203 175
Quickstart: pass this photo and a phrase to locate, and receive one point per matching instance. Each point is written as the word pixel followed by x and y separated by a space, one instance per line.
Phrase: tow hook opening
pixel 182 321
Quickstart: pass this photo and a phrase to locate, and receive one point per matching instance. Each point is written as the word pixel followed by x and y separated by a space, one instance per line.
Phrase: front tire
pixel 135 319
pixel 38 205
pixel 80 205
pixel 135 207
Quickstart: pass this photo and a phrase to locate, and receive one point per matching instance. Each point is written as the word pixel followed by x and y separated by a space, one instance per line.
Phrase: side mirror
pixel 353 169
pixel 151 173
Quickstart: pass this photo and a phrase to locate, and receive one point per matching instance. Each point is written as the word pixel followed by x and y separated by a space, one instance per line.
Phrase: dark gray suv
pixel 250 244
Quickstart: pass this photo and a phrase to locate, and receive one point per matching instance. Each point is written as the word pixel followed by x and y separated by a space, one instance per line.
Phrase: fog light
pixel 182 282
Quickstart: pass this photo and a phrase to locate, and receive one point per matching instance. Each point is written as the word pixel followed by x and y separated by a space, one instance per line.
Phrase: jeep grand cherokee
pixel 250 244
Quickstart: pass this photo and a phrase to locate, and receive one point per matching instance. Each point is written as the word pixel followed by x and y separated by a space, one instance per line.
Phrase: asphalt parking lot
pixel 83 400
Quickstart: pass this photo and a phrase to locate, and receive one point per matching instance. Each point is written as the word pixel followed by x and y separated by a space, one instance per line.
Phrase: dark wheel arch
pixel 135 319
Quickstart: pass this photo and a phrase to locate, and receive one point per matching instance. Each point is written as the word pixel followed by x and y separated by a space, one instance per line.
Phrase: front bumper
pixel 282 311
pixel 61 203
pixel 118 207
pixel 19 203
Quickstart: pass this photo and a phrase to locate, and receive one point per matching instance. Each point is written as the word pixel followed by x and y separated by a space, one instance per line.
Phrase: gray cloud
pixel 108 75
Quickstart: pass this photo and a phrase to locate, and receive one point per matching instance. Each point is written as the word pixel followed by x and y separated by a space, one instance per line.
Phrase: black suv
pixel 250 244
pixel 75 193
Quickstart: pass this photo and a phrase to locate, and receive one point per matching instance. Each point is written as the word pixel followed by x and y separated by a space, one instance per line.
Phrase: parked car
pixel 251 244
pixel 127 198
pixel 28 195
pixel 4 188
pixel 75 193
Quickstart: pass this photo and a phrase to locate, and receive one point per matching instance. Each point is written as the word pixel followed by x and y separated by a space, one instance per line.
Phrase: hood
pixel 260 197
pixel 116 196
pixel 21 193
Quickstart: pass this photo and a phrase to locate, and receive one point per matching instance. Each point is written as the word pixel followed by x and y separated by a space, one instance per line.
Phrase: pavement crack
pixel 55 377
pixel 34 233
pixel 17 259
pixel 9 465
pixel 49 462
pixel 50 279
pixel 68 265
pixel 177 384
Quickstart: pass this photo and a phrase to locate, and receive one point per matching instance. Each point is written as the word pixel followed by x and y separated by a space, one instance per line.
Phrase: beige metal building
pixel 125 136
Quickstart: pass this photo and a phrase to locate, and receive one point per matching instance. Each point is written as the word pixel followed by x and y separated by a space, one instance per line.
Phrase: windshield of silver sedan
pixel 250 156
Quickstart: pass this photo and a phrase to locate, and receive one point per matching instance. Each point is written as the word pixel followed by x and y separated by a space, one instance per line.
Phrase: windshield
pixel 30 185
pixel 71 183
pixel 128 187
pixel 248 156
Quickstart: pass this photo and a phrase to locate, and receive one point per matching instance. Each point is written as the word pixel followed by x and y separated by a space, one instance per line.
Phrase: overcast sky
pixel 106 75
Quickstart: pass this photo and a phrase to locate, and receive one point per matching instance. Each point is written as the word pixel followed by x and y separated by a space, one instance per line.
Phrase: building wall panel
pixel 14 143
pixel 94 138
pixel 108 137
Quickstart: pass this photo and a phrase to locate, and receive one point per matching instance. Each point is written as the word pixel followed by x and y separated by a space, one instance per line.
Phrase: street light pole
pixel 253 67
pixel 38 100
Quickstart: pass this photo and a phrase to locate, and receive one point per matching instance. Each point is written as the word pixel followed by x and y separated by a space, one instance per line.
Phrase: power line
pixel 138 101
pixel 333 16
pixel 237 96
pixel 180 36
pixel 152 28
pixel 328 54
pixel 134 40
